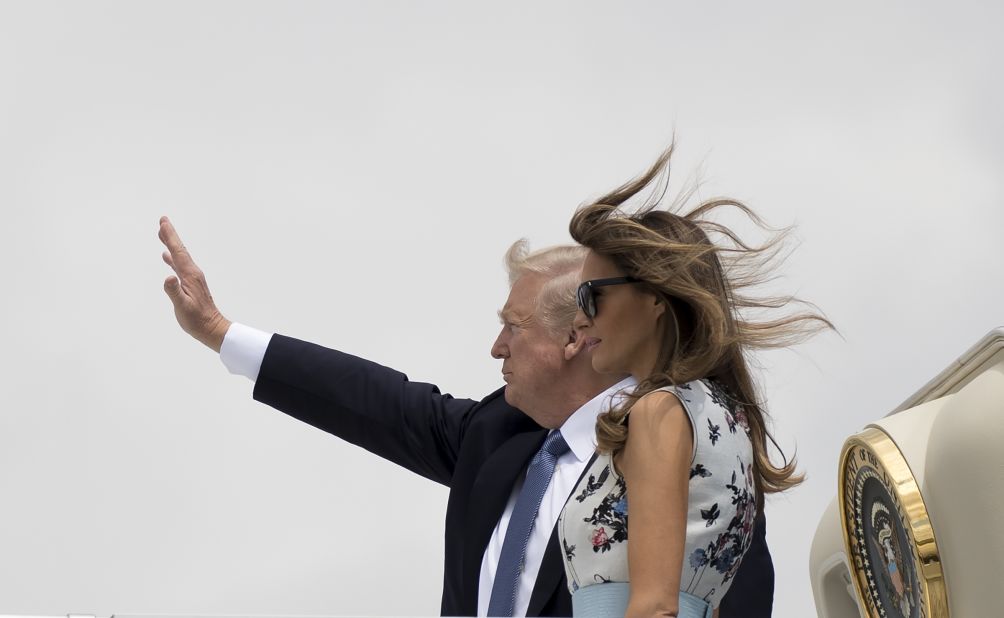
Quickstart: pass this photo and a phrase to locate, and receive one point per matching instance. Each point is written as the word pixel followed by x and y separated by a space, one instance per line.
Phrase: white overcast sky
pixel 351 173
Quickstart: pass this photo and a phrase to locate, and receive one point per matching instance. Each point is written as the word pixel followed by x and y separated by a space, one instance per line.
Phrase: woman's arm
pixel 655 463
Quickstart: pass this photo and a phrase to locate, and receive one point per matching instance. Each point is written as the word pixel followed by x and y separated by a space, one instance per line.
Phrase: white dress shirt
pixel 242 353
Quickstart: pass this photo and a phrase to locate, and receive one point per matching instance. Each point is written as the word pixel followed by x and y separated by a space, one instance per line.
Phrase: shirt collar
pixel 579 431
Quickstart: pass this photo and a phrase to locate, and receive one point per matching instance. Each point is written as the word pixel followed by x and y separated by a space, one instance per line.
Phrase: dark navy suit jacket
pixel 476 448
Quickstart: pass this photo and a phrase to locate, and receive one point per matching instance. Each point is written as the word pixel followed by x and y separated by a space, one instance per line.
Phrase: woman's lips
pixel 591 343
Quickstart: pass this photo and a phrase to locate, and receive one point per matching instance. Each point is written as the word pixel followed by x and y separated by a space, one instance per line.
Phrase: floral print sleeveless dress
pixel 593 526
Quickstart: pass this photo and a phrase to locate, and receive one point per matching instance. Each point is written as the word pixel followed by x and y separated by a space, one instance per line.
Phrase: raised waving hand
pixel 193 304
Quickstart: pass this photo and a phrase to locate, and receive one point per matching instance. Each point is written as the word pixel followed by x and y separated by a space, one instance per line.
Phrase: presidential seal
pixel 887 533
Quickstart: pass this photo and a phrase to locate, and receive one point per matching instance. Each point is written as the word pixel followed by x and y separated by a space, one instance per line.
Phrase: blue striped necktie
pixel 538 477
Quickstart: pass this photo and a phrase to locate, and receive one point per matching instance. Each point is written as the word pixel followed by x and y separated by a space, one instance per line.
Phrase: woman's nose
pixel 581 321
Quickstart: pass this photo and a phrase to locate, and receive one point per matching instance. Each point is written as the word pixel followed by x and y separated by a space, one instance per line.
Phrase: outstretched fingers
pixel 180 259
pixel 188 282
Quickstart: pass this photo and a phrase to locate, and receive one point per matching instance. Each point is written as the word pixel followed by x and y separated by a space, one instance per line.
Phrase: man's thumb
pixel 173 288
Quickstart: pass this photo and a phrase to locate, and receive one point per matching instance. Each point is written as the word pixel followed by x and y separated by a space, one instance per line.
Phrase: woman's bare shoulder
pixel 659 440
pixel 656 406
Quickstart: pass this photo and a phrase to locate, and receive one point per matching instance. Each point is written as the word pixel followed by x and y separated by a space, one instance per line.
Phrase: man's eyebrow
pixel 508 316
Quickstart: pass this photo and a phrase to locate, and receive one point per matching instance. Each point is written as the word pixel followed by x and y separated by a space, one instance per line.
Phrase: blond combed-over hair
pixel 560 265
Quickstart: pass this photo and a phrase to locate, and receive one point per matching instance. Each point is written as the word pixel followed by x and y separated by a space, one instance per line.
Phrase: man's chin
pixel 510 397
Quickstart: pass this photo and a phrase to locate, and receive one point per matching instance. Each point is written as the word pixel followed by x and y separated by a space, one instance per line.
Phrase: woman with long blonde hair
pixel 665 297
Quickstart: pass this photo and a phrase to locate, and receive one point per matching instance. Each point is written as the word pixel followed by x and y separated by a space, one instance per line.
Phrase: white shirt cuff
pixel 243 350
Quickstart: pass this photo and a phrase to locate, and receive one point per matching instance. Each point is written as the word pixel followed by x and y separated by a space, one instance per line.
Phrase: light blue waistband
pixel 609 600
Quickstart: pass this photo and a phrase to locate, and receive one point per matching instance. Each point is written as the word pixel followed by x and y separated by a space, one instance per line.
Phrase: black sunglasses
pixel 585 296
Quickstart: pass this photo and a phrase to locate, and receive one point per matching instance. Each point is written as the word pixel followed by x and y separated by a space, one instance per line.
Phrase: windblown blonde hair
pixel 711 324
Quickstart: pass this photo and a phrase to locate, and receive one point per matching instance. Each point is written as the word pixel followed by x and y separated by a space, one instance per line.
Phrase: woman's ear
pixel 659 306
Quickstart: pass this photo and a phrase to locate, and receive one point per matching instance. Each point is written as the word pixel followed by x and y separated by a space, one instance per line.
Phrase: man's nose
pixel 499 349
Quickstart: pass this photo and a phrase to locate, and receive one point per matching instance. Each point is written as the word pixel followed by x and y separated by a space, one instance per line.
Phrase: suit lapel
pixel 552 567
pixel 489 494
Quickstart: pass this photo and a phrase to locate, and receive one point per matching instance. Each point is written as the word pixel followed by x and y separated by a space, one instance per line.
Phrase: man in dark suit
pixel 479 449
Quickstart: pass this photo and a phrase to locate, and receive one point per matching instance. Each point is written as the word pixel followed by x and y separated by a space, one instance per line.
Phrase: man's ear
pixel 574 345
